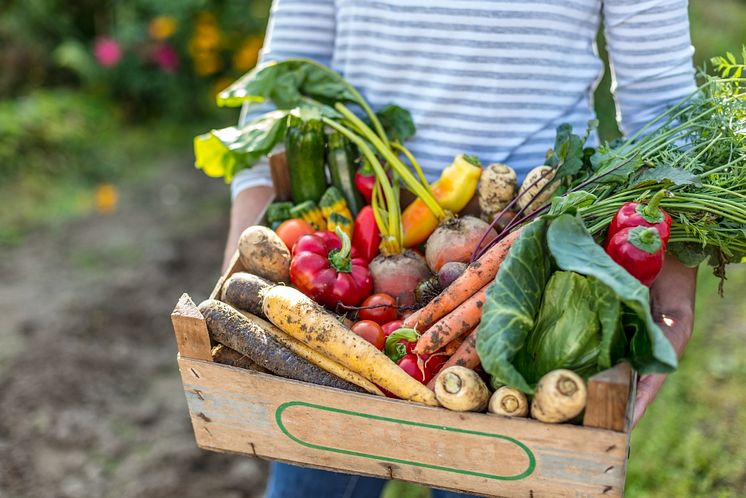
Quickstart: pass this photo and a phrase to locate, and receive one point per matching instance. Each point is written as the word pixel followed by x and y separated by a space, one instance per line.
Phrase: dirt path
pixel 90 399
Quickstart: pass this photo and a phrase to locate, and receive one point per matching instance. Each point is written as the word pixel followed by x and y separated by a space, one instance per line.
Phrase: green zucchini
pixel 341 158
pixel 304 152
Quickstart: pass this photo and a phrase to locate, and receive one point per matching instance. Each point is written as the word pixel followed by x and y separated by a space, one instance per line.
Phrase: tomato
pixel 371 332
pixel 391 327
pixel 293 229
pixel 382 309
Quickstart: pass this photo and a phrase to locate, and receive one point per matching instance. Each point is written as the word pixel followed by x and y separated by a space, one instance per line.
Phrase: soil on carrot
pixel 91 402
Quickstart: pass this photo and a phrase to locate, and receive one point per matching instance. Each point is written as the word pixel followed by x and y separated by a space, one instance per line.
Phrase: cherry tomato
pixel 293 229
pixel 408 363
pixel 371 332
pixel 391 327
pixel 385 309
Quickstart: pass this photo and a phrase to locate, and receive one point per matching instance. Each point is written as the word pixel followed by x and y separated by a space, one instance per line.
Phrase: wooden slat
pixel 245 412
pixel 278 168
pixel 192 337
pixel 609 398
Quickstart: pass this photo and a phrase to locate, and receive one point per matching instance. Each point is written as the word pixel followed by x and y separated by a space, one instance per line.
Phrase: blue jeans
pixel 289 481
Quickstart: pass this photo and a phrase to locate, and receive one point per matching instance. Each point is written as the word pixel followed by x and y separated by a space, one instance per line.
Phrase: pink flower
pixel 107 51
pixel 166 57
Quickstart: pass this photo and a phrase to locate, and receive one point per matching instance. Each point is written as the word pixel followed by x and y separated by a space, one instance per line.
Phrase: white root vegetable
pixel 508 401
pixel 461 389
pixel 560 396
pixel 534 182
pixel 497 188
pixel 263 253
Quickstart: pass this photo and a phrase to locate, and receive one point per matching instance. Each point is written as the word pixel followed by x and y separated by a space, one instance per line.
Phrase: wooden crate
pixel 257 414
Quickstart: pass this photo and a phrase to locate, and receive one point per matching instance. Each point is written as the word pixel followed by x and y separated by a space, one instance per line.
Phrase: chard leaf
pixel 567 332
pixel 571 201
pixel 224 152
pixel 397 122
pixel 567 154
pixel 573 249
pixel 286 83
pixel 690 254
pixel 667 175
pixel 512 304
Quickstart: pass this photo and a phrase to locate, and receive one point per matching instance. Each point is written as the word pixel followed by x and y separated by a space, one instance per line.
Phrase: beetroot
pixel 398 275
pixel 455 240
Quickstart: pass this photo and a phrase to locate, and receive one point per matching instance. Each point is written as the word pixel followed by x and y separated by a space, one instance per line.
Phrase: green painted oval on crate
pixel 531 458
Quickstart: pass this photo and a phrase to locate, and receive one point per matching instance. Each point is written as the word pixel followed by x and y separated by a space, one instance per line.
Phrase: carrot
pixel 476 276
pixel 227 356
pixel 229 327
pixel 314 357
pixel 244 291
pixel 465 356
pixel 455 324
pixel 453 346
pixel 300 317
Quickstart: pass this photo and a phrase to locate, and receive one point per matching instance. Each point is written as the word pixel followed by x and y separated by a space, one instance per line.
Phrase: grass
pixel 40 199
pixel 692 441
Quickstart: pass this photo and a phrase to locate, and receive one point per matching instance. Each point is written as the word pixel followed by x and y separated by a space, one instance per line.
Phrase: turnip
pixel 497 188
pixel 398 275
pixel 455 240
pixel 560 396
pixel 461 389
pixel 529 196
pixel 508 401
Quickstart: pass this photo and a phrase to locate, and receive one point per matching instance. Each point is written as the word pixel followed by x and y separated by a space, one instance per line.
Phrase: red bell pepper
pixel 365 180
pixel 635 214
pixel 639 250
pixel 365 235
pixel 326 268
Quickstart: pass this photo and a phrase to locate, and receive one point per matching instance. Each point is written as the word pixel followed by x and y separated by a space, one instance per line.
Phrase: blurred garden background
pixel 104 222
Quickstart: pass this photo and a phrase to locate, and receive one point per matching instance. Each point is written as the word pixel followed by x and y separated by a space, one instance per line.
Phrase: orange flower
pixel 105 198
pixel 206 62
pixel 246 56
pixel 162 27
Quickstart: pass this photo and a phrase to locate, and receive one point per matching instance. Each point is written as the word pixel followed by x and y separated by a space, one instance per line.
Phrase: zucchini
pixel 342 157
pixel 304 151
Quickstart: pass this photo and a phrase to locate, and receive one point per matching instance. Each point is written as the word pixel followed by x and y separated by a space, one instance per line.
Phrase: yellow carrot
pixel 297 315
pixel 315 357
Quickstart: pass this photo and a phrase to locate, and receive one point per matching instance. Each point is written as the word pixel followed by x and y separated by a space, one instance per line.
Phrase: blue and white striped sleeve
pixel 297 28
pixel 650 53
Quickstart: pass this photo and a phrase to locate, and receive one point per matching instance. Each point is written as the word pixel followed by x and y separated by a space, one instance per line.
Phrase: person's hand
pixel 672 297
pixel 678 332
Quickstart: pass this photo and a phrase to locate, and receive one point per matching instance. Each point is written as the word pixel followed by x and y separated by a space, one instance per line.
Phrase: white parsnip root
pixel 508 401
pixel 461 389
pixel 560 396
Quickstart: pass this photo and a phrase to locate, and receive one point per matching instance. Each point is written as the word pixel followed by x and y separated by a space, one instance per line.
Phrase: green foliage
pixel 173 55
pixel 55 133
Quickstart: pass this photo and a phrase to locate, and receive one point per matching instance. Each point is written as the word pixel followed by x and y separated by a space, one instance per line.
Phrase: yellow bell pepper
pixel 453 191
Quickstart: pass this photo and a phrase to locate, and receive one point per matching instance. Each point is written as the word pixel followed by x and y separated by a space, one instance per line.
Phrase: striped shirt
pixel 492 78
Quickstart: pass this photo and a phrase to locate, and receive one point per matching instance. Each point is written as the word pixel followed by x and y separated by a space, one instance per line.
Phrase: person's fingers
pixel 647 389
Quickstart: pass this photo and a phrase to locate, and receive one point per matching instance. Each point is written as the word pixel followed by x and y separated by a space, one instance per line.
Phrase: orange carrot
pixel 465 356
pixel 453 346
pixel 476 276
pixel 456 323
